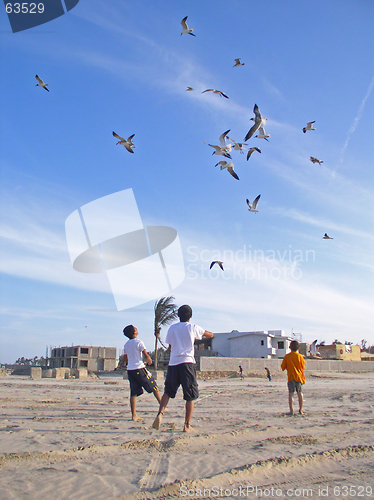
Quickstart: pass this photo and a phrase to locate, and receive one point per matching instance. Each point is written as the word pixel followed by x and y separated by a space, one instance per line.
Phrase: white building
pixel 270 344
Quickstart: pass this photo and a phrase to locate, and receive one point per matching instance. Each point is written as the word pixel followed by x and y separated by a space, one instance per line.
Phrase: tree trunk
pixel 156 342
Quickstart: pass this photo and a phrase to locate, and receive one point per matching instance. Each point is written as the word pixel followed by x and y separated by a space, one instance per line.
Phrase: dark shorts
pixel 185 375
pixel 295 386
pixel 139 380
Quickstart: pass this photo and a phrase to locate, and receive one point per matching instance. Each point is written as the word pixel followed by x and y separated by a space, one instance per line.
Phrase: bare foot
pixel 188 428
pixel 301 412
pixel 290 414
pixel 157 423
pixel 135 418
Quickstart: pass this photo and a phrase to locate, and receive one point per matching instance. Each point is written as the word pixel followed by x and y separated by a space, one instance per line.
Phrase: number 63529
pixel 24 8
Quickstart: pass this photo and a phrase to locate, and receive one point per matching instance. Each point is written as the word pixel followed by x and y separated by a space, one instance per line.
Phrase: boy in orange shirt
pixel 294 363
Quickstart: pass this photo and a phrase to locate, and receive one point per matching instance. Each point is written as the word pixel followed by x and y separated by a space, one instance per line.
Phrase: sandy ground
pixel 74 440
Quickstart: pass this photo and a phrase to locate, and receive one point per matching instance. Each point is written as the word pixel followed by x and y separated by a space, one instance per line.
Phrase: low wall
pixel 207 375
pixel 36 372
pixel 21 370
pixel 257 365
pixel 79 373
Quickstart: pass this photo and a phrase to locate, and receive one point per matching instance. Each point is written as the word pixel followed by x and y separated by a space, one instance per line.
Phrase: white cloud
pixel 278 303
pixel 357 118
pixel 321 222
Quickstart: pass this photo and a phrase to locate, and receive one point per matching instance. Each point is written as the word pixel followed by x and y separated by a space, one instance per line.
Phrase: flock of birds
pixel 224 148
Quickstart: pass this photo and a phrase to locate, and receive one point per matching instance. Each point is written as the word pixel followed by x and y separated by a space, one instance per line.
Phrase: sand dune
pixel 74 439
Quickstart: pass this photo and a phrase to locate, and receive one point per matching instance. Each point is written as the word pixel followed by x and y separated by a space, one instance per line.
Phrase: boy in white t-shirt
pixel 139 377
pixel 181 370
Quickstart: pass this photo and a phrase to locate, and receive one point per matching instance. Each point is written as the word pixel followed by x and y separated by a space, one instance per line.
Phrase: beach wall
pixel 257 365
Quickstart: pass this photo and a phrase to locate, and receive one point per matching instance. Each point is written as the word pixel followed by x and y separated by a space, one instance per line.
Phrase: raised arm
pixel 208 334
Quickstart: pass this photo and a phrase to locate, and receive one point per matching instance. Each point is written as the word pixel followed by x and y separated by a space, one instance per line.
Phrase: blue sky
pixel 124 66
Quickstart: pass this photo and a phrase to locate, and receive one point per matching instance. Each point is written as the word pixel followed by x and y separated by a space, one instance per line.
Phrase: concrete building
pixel 92 358
pixel 260 344
pixel 340 351
pixel 367 356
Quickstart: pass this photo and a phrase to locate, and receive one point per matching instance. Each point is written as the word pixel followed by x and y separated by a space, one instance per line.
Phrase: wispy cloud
pixel 323 222
pixel 27 314
pixel 327 188
pixel 357 118
pixel 279 303
pixel 34 245
pixel 272 89
pixel 276 292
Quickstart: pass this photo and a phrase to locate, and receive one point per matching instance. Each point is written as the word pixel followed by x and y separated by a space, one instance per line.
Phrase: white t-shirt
pixel 134 348
pixel 181 336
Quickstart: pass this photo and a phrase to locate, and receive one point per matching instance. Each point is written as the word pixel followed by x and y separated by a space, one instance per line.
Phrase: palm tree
pixel 165 313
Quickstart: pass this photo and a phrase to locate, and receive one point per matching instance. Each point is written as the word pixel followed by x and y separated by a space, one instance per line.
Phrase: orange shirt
pixel 294 363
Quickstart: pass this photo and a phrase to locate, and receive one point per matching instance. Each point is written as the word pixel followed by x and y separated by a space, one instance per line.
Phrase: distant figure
pixel 241 373
pixel 181 371
pixel 294 363
pixel 139 377
pixel 268 373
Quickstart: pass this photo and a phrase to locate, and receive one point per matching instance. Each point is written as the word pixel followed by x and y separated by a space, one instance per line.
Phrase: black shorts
pixel 185 375
pixel 141 379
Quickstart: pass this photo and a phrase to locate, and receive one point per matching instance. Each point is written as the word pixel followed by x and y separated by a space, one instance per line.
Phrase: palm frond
pixel 165 312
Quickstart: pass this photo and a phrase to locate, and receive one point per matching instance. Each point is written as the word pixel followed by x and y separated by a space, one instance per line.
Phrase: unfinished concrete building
pixel 92 358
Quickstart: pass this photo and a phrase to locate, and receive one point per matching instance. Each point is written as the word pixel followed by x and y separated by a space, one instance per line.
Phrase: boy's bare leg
pixel 187 423
pixel 163 403
pixel 290 402
pixel 301 402
pixel 158 397
pixel 134 416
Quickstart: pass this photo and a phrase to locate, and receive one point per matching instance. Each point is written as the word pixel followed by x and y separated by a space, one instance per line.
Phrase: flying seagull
pixel 238 146
pixel 263 121
pixel 224 148
pixel 185 27
pixel 219 151
pixel 262 134
pixel 253 206
pixel 252 150
pixel 125 142
pixel 315 160
pixel 215 92
pixel 309 126
pixel 327 237
pixel 313 347
pixel 223 142
pixel 189 88
pixel 256 126
pixel 220 263
pixel 238 63
pixel 229 166
pixel 41 83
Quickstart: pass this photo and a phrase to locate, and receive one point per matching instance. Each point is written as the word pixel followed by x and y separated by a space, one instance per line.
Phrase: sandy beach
pixel 73 439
